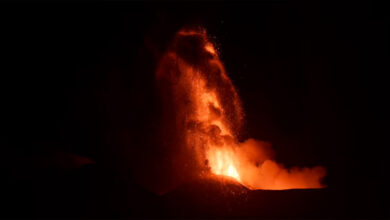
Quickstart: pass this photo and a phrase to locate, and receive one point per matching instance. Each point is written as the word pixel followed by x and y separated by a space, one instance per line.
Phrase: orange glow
pixel 210 48
pixel 209 111
pixel 221 163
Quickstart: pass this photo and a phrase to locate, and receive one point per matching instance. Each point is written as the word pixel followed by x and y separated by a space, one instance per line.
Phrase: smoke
pixel 206 115
pixel 260 171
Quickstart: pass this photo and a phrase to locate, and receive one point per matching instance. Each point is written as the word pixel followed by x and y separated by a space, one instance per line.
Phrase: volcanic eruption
pixel 208 119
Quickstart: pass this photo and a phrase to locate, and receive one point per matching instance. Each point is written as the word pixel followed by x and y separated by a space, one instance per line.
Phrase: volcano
pixel 91 130
pixel 216 196
pixel 204 111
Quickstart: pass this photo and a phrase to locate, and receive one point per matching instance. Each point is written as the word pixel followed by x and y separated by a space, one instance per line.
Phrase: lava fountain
pixel 209 116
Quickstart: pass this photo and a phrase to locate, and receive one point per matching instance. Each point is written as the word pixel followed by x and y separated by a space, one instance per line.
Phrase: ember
pixel 209 112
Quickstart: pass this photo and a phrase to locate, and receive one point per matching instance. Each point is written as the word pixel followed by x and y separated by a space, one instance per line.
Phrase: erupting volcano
pixel 209 116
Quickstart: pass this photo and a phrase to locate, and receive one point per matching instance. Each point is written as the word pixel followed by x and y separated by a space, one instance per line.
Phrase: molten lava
pixel 209 114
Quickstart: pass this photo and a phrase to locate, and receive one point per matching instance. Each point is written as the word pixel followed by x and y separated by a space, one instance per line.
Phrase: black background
pixel 77 78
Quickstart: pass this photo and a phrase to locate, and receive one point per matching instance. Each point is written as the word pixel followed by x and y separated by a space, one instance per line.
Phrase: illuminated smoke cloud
pixel 209 116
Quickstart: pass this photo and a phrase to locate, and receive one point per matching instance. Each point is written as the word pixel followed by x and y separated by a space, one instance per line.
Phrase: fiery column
pixel 209 115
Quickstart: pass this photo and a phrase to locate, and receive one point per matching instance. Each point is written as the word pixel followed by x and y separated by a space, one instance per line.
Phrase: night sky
pixel 81 111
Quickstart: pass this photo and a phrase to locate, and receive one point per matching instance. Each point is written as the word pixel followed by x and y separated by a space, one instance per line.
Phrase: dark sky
pixel 78 79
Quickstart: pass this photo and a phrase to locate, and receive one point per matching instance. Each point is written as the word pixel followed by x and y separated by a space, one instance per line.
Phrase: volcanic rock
pixel 217 196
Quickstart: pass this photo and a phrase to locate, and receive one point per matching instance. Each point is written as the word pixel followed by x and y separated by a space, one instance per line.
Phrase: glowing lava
pixel 221 163
pixel 209 114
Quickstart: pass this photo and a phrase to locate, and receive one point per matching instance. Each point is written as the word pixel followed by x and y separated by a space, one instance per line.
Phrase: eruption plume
pixel 209 116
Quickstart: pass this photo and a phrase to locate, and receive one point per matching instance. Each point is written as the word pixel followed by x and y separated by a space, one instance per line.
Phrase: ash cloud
pixel 261 171
pixel 205 114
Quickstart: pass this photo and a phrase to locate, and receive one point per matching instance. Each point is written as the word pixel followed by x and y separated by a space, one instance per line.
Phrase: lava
pixel 209 115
